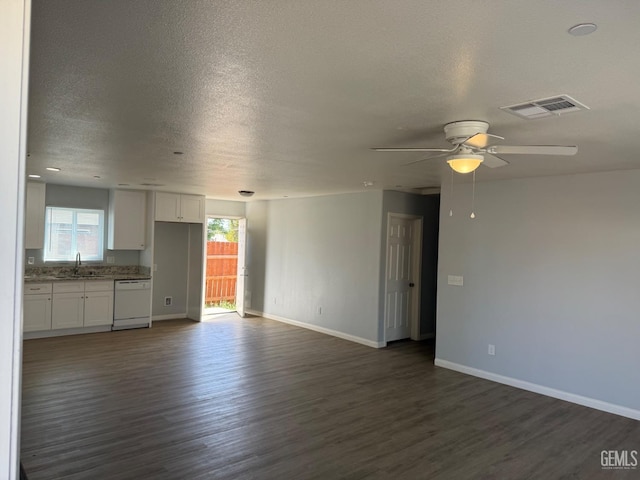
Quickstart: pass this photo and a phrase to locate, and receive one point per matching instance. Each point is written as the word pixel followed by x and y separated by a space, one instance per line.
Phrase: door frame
pixel 416 268
pixel 204 256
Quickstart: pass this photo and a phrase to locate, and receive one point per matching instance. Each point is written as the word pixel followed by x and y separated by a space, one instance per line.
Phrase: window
pixel 68 231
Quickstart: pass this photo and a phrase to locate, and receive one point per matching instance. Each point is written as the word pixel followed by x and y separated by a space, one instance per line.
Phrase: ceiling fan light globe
pixel 464 163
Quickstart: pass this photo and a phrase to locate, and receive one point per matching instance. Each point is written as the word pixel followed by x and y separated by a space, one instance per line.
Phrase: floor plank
pixel 252 398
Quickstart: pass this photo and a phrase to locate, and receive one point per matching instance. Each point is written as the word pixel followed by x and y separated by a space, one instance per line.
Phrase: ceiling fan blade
pixel 480 140
pixel 492 161
pixel 533 149
pixel 412 149
pixel 425 159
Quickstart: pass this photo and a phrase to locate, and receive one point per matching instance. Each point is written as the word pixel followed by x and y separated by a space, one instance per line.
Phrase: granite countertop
pixel 66 278
pixel 67 273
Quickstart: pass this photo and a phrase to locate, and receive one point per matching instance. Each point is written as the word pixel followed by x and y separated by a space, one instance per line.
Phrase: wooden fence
pixel 222 272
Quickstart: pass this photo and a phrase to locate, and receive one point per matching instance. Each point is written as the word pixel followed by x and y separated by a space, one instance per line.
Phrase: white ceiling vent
pixel 546 107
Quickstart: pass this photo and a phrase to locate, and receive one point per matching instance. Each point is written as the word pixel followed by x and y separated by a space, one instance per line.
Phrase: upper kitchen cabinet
pixel 34 216
pixel 177 207
pixel 127 220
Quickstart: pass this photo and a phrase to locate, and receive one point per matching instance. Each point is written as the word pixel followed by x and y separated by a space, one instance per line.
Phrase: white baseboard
pixel 541 389
pixel 316 328
pixel 171 316
pixel 428 336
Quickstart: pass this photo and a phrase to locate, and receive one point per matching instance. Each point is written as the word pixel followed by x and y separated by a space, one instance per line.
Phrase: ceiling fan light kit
pixel 472 146
pixel 465 163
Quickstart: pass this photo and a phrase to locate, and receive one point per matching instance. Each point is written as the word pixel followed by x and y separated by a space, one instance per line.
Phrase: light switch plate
pixel 455 280
pixel 31 260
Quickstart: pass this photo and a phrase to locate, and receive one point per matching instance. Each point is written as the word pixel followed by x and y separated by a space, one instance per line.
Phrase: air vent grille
pixel 546 107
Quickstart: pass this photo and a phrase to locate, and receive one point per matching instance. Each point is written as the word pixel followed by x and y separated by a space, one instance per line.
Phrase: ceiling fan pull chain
pixel 473 196
pixel 451 209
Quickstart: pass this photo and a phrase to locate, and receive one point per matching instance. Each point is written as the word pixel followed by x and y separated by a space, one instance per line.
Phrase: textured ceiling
pixel 287 97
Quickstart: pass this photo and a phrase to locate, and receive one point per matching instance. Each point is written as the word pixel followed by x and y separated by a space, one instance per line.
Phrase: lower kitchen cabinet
pixel 67 310
pixel 36 311
pixel 78 304
pixel 98 303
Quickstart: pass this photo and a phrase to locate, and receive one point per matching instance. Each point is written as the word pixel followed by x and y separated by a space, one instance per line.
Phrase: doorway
pixel 403 277
pixel 221 265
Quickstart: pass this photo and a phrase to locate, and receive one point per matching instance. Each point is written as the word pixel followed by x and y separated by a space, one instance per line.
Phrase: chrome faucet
pixel 78 263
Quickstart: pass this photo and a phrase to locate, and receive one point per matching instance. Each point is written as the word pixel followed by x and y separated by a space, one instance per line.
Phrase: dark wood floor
pixel 254 398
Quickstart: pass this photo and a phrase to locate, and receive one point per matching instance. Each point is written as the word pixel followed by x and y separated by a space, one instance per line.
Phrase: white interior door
pixel 400 305
pixel 242 268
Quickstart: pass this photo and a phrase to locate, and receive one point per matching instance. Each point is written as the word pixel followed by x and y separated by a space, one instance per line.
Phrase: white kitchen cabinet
pixel 67 310
pixel 192 208
pixel 177 207
pixel 79 304
pixel 34 215
pixel 98 303
pixel 36 310
pixel 127 220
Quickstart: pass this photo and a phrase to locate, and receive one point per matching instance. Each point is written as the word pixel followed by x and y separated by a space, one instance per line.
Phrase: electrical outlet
pixel 457 280
pixel 491 350
pixel 31 260
pixel 111 259
pixel 155 267
pixel 168 301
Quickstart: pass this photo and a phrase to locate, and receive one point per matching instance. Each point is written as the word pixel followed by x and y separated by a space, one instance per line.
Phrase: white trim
pixel 541 389
pixel 316 328
pixel 428 336
pixel 15 18
pixel 169 316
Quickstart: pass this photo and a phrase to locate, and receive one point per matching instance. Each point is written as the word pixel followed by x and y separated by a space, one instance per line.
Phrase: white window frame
pixel 85 257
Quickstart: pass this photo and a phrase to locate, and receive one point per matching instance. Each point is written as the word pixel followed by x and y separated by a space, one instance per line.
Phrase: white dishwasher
pixel 132 304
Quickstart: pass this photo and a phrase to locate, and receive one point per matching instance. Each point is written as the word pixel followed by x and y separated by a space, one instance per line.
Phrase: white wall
pixel 195 282
pixel 318 252
pixel 550 270
pixel 225 207
pixel 14 48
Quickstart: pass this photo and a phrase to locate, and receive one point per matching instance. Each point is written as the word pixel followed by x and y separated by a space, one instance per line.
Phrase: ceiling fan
pixel 472 146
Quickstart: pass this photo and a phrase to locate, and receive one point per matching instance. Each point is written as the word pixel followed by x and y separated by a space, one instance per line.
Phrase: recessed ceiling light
pixel 583 29
pixel 368 183
pixel 178 153
pixel 34 176
pixel 123 184
pixel 96 176
pixel 54 169
pixel 246 193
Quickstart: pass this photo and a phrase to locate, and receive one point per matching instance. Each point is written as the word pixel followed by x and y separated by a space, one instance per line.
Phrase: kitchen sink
pixel 72 277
